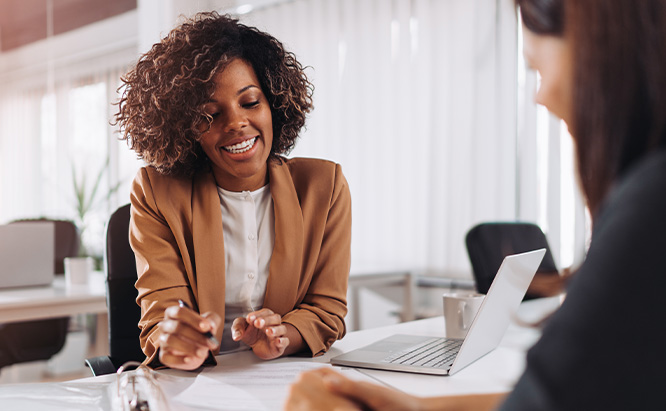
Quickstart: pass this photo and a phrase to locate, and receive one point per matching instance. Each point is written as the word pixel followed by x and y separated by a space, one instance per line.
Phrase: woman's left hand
pixel 325 389
pixel 263 331
pixel 311 393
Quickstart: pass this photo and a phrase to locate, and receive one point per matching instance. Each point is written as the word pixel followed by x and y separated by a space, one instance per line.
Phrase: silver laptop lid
pixel 501 303
pixel 27 254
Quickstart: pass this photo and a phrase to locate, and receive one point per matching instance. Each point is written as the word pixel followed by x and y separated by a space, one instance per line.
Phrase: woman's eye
pixel 251 104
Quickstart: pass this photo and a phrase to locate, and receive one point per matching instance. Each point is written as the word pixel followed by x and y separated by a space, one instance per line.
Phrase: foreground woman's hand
pixel 182 342
pixel 310 393
pixel 325 389
pixel 266 334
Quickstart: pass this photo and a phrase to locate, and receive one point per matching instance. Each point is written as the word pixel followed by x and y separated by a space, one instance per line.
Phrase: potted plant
pixel 87 199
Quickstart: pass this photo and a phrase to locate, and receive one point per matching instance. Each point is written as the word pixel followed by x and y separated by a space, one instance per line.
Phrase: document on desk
pixel 262 386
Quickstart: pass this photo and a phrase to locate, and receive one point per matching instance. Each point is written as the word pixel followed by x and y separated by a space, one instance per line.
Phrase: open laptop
pixel 446 356
pixel 27 253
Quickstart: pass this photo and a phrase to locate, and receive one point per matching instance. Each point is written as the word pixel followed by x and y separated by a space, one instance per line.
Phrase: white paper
pixel 258 386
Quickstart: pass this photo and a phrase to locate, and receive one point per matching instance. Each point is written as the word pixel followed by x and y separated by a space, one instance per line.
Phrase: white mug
pixel 77 270
pixel 460 308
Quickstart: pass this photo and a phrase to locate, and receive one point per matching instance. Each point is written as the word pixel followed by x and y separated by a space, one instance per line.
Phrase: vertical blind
pixel 417 100
pixel 52 138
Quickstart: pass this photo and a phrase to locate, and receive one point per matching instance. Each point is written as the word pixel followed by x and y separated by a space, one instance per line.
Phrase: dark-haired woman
pixel 603 70
pixel 221 223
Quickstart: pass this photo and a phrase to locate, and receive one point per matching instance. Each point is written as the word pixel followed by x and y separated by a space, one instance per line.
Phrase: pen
pixel 207 334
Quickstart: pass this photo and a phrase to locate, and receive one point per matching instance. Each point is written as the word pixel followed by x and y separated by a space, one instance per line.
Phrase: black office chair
pixel 488 244
pixel 124 313
pixel 40 339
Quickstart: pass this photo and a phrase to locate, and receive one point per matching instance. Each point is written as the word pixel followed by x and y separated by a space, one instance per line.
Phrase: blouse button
pixel 250 237
pixel 251 276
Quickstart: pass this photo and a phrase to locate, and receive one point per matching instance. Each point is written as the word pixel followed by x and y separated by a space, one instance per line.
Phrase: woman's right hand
pixel 182 342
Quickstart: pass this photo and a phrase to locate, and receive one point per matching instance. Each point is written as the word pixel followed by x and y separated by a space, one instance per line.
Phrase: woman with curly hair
pixel 221 223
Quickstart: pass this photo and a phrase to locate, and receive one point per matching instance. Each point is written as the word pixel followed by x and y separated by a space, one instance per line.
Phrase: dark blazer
pixel 176 235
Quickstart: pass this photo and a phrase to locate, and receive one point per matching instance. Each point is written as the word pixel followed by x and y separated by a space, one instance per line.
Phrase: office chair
pixel 124 313
pixel 488 244
pixel 40 339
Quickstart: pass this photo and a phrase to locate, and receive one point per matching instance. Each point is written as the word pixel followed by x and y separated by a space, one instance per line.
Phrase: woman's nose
pixel 235 120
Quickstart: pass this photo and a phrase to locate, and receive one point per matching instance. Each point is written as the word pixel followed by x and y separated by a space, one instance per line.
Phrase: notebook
pixel 446 356
pixel 27 254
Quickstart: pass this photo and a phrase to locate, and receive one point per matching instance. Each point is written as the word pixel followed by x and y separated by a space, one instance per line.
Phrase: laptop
pixel 446 356
pixel 27 254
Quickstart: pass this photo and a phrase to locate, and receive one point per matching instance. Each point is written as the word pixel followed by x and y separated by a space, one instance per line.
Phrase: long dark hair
pixel 619 96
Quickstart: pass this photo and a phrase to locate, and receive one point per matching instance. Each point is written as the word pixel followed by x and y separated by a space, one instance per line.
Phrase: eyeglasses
pixel 137 390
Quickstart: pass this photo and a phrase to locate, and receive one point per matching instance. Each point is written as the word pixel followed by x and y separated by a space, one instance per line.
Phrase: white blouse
pixel 248 224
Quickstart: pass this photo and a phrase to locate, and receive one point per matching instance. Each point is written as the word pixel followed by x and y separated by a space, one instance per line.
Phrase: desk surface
pixel 495 372
pixel 55 300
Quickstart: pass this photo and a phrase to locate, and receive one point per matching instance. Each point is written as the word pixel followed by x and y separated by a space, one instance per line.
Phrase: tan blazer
pixel 176 235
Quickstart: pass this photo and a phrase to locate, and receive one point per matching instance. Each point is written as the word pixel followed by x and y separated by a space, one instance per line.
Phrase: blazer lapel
pixel 286 261
pixel 208 244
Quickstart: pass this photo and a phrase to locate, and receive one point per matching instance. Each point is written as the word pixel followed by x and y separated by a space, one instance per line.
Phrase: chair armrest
pixel 101 365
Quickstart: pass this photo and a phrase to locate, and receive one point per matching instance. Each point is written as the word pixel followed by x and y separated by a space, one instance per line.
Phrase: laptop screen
pixel 27 253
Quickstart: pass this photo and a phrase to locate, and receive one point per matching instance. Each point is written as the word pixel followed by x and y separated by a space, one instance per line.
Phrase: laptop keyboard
pixel 436 353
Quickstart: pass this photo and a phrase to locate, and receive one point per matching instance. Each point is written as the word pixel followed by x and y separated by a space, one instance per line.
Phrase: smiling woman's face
pixel 551 57
pixel 240 137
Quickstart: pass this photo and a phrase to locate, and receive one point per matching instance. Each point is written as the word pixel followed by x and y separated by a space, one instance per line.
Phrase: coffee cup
pixel 77 270
pixel 460 308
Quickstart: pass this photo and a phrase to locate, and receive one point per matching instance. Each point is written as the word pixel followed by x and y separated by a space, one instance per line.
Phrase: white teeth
pixel 242 146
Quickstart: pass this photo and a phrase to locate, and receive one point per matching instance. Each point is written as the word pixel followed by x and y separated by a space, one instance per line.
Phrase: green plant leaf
pixel 87 200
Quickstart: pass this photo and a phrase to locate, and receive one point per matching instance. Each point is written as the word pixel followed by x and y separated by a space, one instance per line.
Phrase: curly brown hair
pixel 161 106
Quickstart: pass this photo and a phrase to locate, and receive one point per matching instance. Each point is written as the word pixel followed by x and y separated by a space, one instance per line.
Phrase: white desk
pixel 495 372
pixel 59 300
pixel 55 300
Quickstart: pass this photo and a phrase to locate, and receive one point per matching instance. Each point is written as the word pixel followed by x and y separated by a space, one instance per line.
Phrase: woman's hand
pixel 325 389
pixel 310 393
pixel 265 333
pixel 182 342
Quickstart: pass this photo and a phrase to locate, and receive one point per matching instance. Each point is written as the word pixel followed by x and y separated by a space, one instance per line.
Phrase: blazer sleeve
pixel 162 278
pixel 319 317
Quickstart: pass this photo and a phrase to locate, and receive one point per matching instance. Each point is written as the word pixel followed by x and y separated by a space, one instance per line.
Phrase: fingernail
pixel 235 334
pixel 262 323
pixel 252 318
pixel 204 325
pixel 201 352
pixel 188 359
